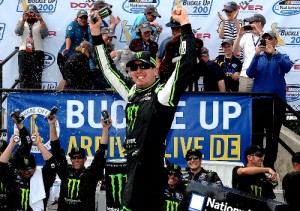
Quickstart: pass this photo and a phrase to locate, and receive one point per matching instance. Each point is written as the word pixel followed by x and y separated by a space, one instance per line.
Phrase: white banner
pixel 281 17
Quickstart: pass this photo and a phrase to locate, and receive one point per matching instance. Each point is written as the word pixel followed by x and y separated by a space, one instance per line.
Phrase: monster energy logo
pixel 131 116
pixel 256 190
pixel 72 185
pixel 25 198
pixel 119 181
pixel 171 205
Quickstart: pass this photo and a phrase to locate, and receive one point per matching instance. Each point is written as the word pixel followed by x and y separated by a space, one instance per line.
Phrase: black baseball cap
pixel 193 152
pixel 174 169
pixel 256 18
pixel 144 56
pixel 269 33
pixel 173 24
pixel 77 151
pixel 151 9
pixel 82 13
pixel 27 162
pixel 229 41
pixel 230 6
pixel 296 158
pixel 31 8
pixel 253 149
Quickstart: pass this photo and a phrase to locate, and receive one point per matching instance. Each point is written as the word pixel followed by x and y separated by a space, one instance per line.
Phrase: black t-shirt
pixel 229 67
pixel 291 187
pixel 212 76
pixel 257 184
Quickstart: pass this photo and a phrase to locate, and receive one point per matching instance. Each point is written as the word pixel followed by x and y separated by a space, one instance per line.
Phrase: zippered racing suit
pixel 149 114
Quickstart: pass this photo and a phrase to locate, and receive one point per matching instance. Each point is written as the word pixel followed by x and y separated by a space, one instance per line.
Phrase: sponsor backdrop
pixel 211 123
pixel 281 17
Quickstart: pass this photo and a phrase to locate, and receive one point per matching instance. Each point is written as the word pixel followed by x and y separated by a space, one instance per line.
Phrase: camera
pixel 53 111
pixel 17 115
pixel 103 13
pixel 16 138
pixel 33 138
pixel 248 28
pixel 105 116
pixel 262 42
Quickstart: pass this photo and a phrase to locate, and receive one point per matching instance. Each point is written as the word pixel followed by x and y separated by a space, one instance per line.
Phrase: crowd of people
pixel 152 81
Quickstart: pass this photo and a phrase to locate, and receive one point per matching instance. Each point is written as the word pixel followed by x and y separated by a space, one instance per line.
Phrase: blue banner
pixel 218 125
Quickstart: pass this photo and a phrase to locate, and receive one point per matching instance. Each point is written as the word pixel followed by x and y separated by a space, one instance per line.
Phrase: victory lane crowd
pixel 151 105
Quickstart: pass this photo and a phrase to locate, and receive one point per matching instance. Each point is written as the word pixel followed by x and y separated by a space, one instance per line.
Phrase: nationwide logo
pixel 49 59
pixel 292 92
pixel 138 6
pixel 202 203
pixel 46 6
pixel 288 36
pixel 287 8
pixel 2 29
pixel 195 8
pixel 37 121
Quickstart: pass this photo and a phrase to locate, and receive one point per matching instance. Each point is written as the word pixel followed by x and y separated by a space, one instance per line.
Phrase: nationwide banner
pixel 218 125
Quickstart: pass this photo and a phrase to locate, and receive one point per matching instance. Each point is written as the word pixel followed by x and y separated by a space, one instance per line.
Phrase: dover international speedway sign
pixel 218 125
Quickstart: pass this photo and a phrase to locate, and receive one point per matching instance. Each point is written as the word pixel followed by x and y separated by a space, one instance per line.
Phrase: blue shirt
pixel 77 35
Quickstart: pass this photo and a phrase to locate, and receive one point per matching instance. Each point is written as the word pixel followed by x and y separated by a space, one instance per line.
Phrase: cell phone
pixel 262 42
pixel 248 28
pixel 53 111
pixel 105 116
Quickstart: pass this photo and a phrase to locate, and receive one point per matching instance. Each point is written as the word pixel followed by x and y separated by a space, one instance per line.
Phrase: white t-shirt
pixel 248 43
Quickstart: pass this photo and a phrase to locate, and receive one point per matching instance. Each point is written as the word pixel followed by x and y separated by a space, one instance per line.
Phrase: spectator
pixel 230 65
pixel 253 178
pixel 246 41
pixel 32 29
pixel 175 29
pixel 28 185
pixel 150 111
pixel 291 183
pixel 213 76
pixel 228 28
pixel 77 68
pixel 173 194
pixel 172 53
pixel 76 32
pixel 144 43
pixel 268 69
pixel 78 184
pixel 150 15
pixel 107 36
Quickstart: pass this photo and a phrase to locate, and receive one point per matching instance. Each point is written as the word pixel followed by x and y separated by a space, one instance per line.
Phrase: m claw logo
pixel 73 188
pixel 117 182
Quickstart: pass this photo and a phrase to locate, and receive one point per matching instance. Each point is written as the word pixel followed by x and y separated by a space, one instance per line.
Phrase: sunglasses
pixel 30 170
pixel 175 174
pixel 259 155
pixel 143 66
pixel 77 157
pixel 83 17
pixel 228 11
pixel 195 157
pixel 153 16
pixel 268 38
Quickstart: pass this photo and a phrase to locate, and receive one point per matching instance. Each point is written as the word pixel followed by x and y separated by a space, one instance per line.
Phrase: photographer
pixel 268 69
pixel 32 29
pixel 246 41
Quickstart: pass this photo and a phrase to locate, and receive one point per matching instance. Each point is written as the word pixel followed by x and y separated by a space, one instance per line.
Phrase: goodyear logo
pixel 35 121
pixel 292 92
pixel 48 6
pixel 2 29
pixel 195 8
pixel 49 59
pixel 138 6
pixel 225 147
pixel 287 8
